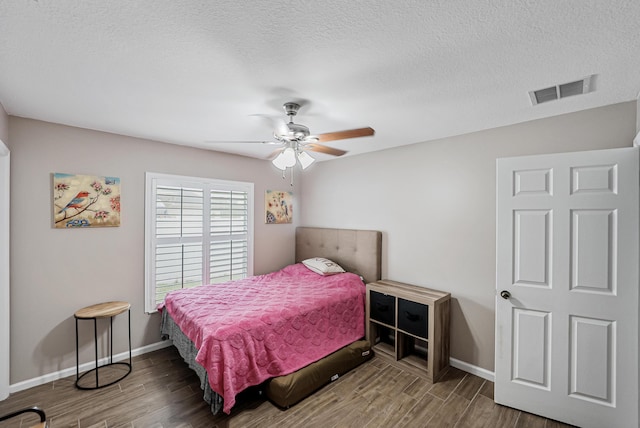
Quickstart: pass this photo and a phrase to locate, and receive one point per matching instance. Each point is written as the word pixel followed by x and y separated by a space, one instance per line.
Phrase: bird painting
pixel 96 202
pixel 76 202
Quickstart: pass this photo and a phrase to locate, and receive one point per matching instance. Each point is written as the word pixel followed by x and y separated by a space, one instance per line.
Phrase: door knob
pixel 505 294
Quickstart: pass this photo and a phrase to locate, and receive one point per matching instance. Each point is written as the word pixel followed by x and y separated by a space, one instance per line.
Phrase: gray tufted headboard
pixel 357 251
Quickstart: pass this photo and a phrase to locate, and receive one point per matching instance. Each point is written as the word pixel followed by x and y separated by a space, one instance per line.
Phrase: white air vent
pixel 562 91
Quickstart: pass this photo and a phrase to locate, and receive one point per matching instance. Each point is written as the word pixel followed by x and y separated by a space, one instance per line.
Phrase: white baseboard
pixel 475 370
pixel 29 383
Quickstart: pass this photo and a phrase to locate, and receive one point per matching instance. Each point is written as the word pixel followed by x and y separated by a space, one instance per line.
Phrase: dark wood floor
pixel 163 392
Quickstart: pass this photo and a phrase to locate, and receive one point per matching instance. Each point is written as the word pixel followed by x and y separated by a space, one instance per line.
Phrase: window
pixel 197 231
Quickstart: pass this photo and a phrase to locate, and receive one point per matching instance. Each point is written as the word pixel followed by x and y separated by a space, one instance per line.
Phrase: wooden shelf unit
pixel 395 326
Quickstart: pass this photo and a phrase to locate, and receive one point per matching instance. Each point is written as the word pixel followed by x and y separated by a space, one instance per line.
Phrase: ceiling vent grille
pixel 564 90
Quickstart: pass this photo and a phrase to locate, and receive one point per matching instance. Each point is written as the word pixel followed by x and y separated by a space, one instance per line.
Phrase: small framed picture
pixel 278 207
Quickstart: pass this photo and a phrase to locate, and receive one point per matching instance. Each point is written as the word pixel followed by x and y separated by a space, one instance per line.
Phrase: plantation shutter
pixel 179 238
pixel 197 232
pixel 229 235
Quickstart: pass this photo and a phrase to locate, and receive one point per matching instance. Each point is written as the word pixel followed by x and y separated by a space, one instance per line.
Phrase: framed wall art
pixel 278 206
pixel 85 201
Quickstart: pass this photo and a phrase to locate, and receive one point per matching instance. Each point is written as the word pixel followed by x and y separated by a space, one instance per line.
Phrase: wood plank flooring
pixel 163 392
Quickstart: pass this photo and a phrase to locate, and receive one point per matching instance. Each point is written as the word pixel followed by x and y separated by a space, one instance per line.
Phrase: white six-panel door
pixel 567 286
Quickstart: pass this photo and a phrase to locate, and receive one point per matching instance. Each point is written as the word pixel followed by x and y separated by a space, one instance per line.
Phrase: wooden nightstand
pixel 409 325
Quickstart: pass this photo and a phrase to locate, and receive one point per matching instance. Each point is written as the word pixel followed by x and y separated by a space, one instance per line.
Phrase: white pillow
pixel 323 266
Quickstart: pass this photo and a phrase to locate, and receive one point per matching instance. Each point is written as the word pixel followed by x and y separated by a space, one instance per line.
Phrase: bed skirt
pixel 169 329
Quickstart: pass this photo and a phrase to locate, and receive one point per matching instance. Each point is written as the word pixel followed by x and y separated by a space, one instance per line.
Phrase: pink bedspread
pixel 269 325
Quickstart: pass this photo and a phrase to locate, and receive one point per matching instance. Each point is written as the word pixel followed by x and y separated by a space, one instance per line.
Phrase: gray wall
pixel 55 272
pixel 435 204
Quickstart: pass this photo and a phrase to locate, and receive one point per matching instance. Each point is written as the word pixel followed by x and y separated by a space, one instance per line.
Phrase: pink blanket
pixel 269 325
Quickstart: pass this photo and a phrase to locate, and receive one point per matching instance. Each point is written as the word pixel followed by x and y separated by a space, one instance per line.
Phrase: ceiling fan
pixel 297 140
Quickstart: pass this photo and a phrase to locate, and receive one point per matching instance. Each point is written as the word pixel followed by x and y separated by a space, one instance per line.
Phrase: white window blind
pixel 198 231
pixel 229 229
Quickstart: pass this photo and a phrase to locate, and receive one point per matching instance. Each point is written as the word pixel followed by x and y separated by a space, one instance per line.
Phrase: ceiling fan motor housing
pixel 297 131
pixel 298 138
pixel 291 109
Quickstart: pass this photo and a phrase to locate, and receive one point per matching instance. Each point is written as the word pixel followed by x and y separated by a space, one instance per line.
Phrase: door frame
pixel 5 338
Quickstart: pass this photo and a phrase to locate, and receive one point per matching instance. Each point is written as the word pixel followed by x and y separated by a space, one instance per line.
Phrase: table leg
pixel 95 335
pixel 129 313
pixel 111 340
pixel 77 354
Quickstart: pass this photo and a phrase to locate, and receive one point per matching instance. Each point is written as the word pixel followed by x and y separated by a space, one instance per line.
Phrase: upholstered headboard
pixel 357 251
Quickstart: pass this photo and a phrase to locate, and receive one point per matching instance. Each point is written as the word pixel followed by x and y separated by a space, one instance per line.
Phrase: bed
pixel 303 316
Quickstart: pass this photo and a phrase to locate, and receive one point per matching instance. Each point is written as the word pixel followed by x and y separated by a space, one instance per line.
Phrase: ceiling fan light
pixel 305 159
pixel 279 161
pixel 286 159
pixel 289 157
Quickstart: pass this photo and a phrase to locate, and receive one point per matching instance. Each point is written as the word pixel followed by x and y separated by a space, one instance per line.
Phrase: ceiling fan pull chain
pixel 291 177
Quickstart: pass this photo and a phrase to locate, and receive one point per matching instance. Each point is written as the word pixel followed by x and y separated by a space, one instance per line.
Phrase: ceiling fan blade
pixel 280 127
pixel 275 153
pixel 343 135
pixel 242 142
pixel 324 149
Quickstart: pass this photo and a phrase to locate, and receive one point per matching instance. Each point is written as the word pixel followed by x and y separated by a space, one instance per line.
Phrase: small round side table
pixel 102 310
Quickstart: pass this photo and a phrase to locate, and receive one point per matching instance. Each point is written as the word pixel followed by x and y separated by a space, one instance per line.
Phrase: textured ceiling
pixel 192 72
